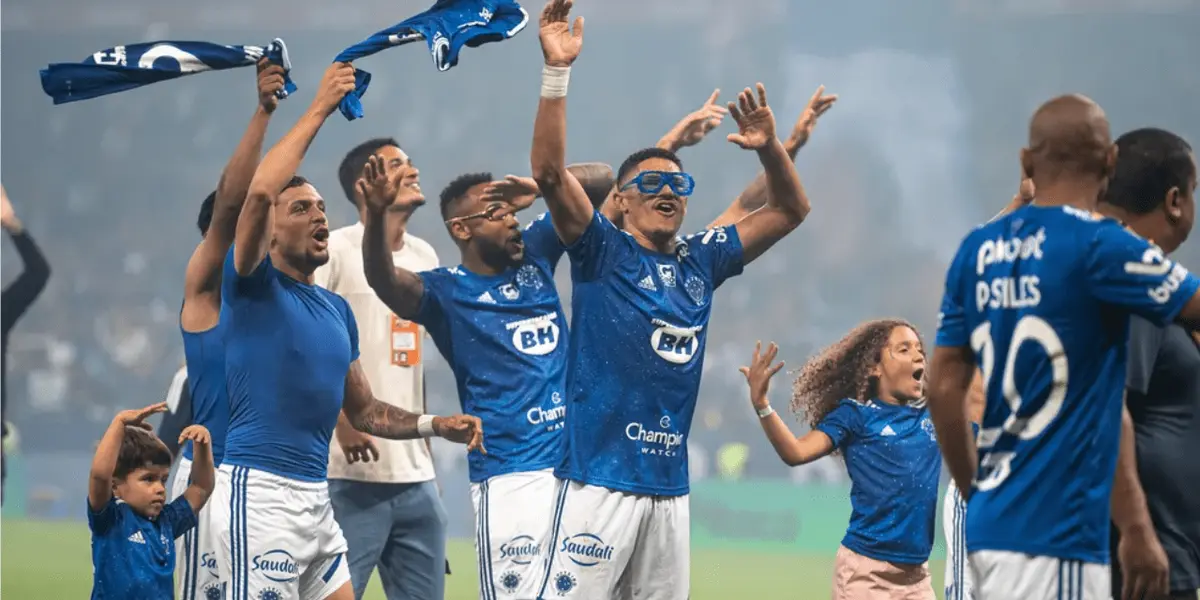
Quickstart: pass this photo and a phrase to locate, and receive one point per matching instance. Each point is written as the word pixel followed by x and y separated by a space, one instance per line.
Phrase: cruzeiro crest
pixel 927 427
pixel 695 289
pixel 528 276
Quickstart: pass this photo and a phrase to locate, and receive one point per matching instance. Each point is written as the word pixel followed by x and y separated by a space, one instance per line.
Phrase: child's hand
pixel 759 373
pixel 138 416
pixel 197 434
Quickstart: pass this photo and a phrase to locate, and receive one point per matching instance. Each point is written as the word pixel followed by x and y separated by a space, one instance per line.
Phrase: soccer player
pixel 863 396
pixel 641 302
pixel 1152 191
pixel 384 495
pixel 1039 301
pixel 200 324
pixel 133 526
pixel 291 351
pixel 497 320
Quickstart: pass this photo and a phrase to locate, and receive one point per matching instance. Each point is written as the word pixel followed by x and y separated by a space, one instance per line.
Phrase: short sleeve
pixel 179 515
pixel 841 425
pixel 234 287
pixel 599 249
pixel 351 328
pixel 719 252
pixel 100 522
pixel 952 328
pixel 1126 270
pixel 542 242
pixel 1144 342
pixel 430 312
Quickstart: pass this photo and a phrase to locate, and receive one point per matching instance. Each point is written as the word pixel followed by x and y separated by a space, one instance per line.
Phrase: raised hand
pixel 270 82
pixel 560 45
pixel 464 429
pixel 197 434
pixel 520 192
pixel 8 217
pixel 817 105
pixel 337 81
pixel 693 127
pixel 755 121
pixel 383 185
pixel 137 417
pixel 759 373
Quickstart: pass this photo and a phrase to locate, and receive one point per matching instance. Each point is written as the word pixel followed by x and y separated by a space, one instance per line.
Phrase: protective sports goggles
pixel 652 182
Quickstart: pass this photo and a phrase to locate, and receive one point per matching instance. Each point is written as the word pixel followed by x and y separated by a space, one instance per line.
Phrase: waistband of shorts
pixel 260 477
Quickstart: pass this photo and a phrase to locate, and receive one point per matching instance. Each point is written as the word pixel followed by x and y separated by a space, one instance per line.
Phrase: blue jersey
pixel 500 334
pixel 637 350
pixel 132 556
pixel 1043 297
pixel 288 347
pixel 894 463
pixel 204 353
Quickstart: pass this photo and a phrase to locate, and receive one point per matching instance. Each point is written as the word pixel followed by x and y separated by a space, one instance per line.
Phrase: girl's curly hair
pixel 843 370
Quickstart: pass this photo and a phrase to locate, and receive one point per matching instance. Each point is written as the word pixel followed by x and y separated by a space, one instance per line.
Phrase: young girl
pixel 863 397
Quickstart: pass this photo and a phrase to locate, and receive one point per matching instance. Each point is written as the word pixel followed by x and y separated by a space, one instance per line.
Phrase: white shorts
pixel 958 579
pixel 513 522
pixel 196 574
pixel 1014 576
pixel 610 545
pixel 280 539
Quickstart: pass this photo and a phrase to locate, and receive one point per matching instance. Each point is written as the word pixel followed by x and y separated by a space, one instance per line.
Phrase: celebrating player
pixel 641 300
pixel 494 316
pixel 1039 300
pixel 863 396
pixel 291 365
pixel 199 321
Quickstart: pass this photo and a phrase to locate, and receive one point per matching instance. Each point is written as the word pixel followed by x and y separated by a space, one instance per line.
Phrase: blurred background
pixel 922 145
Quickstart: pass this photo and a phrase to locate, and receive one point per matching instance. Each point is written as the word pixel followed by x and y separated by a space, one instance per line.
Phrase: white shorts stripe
pixel 558 514
pixel 487 585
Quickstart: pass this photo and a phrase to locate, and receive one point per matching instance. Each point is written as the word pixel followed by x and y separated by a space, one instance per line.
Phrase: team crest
pixel 510 291
pixel 927 427
pixel 510 581
pixel 212 591
pixel 666 273
pixel 270 594
pixel 528 276
pixel 564 582
pixel 695 289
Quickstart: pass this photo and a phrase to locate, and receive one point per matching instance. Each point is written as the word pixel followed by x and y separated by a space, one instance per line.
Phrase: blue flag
pixel 126 67
pixel 446 28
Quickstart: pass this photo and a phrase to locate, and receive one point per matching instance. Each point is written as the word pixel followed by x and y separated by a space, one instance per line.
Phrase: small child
pixel 133 528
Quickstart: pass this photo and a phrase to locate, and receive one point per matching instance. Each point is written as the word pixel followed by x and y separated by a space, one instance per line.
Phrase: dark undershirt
pixel 17 298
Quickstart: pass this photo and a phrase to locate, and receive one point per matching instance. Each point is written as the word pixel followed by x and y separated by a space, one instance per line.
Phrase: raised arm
pixel 201 284
pixel 792 450
pixel 280 164
pixel 787 206
pixel 570 209
pixel 105 461
pixel 381 183
pixel 694 126
pixel 597 179
pixel 369 415
pixel 21 293
pixel 755 195
pixel 203 476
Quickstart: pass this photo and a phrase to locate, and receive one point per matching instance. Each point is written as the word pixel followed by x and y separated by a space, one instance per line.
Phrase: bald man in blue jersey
pixel 291 364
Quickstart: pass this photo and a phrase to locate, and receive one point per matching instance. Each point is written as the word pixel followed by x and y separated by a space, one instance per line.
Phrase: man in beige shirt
pixel 383 491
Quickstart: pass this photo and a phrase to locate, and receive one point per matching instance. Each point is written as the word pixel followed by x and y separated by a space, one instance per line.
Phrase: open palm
pixel 755 121
pixel 560 46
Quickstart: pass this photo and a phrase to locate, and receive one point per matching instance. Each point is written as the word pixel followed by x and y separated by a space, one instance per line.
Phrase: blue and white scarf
pixel 126 67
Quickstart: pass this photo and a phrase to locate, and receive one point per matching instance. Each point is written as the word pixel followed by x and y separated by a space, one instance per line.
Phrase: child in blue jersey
pixel 1039 301
pixel 863 397
pixel 133 526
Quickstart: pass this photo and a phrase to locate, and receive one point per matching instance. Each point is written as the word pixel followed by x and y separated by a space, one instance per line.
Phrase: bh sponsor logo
pixel 276 565
pixel 586 549
pixel 522 550
pixel 537 336
pixel 662 441
pixel 675 344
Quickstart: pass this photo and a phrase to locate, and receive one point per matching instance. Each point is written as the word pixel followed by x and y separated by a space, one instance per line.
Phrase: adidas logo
pixel 887 430
pixel 137 538
pixel 486 298
pixel 647 283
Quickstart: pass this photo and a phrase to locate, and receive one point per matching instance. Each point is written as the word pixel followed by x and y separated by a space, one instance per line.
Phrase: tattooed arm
pixel 369 415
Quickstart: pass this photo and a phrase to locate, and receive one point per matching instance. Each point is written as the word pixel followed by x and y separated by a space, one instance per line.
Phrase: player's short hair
pixel 140 449
pixel 842 370
pixel 457 190
pixel 630 164
pixel 352 164
pixel 206 213
pixel 295 182
pixel 1149 163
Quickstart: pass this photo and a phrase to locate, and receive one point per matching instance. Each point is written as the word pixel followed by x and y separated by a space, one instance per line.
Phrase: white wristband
pixel 765 412
pixel 554 81
pixel 425 426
